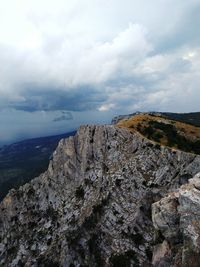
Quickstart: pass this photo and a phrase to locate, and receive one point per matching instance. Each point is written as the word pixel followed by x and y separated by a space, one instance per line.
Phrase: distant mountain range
pixel 22 161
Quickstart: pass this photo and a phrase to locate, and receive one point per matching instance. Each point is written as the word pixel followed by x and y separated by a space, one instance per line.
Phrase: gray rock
pixel 93 205
pixel 161 255
pixel 176 218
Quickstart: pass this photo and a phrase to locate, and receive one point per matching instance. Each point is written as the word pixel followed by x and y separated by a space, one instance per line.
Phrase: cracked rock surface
pixel 176 219
pixel 108 198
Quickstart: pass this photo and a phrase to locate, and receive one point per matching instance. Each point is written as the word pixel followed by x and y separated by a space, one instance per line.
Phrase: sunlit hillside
pixel 165 131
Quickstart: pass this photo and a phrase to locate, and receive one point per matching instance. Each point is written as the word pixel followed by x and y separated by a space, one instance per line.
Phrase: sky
pixel 71 62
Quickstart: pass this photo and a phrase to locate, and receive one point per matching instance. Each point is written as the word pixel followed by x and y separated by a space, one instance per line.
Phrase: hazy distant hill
pixel 22 161
pixel 192 118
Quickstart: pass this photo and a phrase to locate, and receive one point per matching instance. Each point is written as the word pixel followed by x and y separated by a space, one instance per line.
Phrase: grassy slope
pixel 165 131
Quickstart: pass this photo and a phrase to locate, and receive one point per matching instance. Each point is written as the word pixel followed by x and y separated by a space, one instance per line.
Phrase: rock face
pixel 176 219
pixel 108 198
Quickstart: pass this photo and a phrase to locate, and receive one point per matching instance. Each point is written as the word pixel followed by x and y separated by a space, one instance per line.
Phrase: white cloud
pixel 73 61
pixel 106 107
pixel 126 55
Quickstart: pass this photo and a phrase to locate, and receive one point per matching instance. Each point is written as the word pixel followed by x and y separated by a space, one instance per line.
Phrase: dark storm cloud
pixel 52 99
pixel 65 116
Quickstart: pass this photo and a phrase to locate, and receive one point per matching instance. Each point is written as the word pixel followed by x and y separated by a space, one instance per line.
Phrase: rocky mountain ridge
pixel 108 198
pixel 192 118
pixel 22 161
pixel 164 131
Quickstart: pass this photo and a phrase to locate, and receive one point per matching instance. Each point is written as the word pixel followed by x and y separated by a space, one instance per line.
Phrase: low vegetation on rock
pixel 165 131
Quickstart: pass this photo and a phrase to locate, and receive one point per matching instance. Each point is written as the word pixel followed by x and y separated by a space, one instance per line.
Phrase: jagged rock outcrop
pixel 176 219
pixel 92 207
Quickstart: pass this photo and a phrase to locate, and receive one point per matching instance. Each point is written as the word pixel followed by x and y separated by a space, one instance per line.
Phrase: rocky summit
pixel 110 197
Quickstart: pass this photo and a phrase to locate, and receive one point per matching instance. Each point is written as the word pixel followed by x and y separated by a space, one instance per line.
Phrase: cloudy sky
pixel 68 62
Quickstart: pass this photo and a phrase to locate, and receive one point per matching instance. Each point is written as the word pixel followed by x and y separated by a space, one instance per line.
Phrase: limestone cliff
pixel 93 206
pixel 176 219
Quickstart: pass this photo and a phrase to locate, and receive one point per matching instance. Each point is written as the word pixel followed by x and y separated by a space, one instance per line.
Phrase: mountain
pixel 22 161
pixel 110 197
pixel 164 131
pixel 192 118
